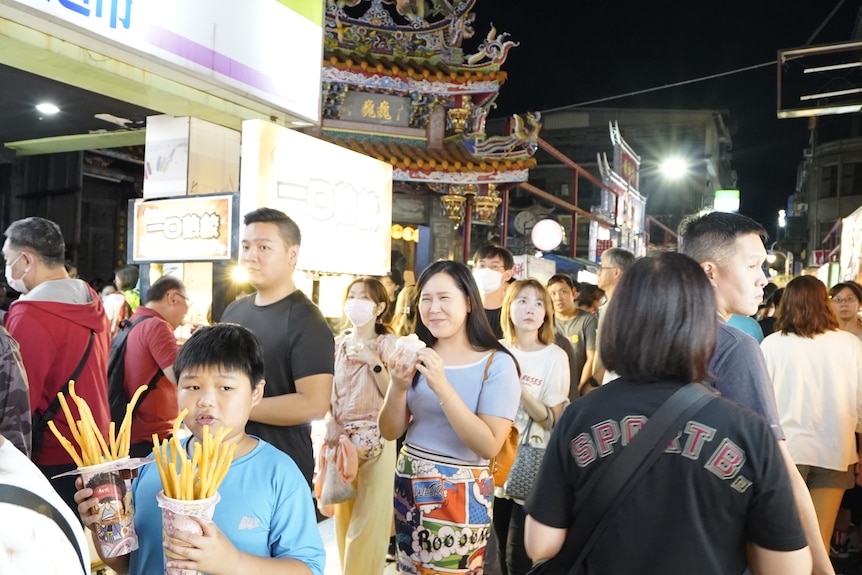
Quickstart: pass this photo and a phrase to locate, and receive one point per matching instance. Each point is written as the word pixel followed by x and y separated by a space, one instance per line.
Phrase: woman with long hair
pixel 456 397
pixel 528 331
pixel 847 299
pixel 404 314
pixel 817 372
pixel 362 524
pixel 716 499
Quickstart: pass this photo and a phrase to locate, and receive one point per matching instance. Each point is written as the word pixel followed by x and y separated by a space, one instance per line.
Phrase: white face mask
pixel 359 311
pixel 16 284
pixel 487 279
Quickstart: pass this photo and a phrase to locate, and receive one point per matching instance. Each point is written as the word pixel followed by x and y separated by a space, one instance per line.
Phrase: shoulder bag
pixel 598 506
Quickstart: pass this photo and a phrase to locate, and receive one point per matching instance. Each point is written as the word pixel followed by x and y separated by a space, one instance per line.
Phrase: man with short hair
pixel 614 262
pixel 493 267
pixel 151 349
pixel 59 323
pixel 579 329
pixel 730 249
pixel 299 349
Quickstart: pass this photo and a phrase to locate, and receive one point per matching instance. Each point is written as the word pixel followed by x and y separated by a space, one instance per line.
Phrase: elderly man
pixel 63 333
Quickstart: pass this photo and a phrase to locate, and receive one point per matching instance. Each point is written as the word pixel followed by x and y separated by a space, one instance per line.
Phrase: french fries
pixel 200 476
pixel 85 432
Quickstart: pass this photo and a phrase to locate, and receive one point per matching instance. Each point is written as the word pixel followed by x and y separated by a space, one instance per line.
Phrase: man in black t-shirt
pixel 298 345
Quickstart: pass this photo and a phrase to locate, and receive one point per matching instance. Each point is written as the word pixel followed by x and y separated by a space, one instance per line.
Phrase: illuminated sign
pixel 185 229
pixel 726 201
pixel 341 200
pixel 239 47
pixel 376 109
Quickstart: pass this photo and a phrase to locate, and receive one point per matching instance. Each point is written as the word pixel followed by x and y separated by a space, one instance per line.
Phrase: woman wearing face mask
pixel 362 524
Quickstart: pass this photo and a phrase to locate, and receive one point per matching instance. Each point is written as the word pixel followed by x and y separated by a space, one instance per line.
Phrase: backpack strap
pixel 23 498
pixel 40 420
pixel 488 366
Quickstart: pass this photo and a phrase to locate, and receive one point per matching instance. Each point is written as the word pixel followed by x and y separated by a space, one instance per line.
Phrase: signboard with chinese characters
pixel 376 109
pixel 341 200
pixel 200 228
pixel 237 48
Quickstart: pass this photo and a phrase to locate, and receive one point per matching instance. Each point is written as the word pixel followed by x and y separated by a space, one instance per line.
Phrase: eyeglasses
pixel 608 268
pixel 848 299
pixel 185 297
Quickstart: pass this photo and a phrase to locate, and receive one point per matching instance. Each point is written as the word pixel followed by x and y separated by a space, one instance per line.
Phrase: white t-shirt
pixel 818 390
pixel 545 374
pixel 30 542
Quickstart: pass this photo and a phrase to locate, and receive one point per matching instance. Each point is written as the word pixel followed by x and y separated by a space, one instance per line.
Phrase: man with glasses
pixel 614 262
pixel 63 333
pixel 151 349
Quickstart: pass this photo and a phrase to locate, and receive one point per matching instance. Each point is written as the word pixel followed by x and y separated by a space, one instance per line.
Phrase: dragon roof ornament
pixel 428 30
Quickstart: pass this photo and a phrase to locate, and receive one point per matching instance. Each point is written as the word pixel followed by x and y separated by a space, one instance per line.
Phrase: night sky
pixel 575 51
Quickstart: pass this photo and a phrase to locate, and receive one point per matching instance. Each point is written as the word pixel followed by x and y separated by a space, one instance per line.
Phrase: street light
pixel 771 257
pixel 673 168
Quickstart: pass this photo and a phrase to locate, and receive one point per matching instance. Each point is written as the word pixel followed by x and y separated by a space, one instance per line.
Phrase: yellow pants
pixel 363 524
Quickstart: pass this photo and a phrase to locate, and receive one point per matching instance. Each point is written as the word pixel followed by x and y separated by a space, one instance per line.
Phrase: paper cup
pixel 176 518
pixel 116 511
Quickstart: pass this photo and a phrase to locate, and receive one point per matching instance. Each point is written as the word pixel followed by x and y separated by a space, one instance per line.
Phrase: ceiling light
pixel 47 108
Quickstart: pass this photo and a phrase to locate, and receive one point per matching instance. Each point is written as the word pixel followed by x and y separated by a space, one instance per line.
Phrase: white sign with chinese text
pixel 341 200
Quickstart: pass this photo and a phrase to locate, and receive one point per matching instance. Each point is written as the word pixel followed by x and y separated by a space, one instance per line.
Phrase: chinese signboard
pixel 376 109
pixel 186 229
pixel 341 200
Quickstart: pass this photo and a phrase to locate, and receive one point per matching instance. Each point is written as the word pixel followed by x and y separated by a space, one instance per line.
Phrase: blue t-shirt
pixel 747 324
pixel 265 510
pixel 499 395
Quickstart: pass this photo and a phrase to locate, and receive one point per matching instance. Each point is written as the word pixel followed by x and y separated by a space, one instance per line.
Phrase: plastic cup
pixel 176 518
pixel 113 488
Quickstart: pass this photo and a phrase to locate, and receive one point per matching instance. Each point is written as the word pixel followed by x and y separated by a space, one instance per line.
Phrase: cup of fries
pixel 177 518
pixel 116 511
pixel 105 467
pixel 189 484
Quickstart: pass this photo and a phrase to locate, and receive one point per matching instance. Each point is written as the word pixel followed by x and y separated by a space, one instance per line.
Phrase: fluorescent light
pixel 47 108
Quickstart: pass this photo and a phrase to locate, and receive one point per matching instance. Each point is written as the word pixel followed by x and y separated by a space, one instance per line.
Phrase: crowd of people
pixel 495 425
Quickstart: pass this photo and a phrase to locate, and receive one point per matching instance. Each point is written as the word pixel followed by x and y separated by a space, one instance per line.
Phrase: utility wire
pixel 702 78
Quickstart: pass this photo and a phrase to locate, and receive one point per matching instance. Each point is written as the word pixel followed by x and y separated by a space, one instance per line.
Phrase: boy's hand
pixel 212 552
pixel 86 504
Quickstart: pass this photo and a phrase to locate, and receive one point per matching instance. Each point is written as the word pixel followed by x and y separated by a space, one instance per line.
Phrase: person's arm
pixel 587 372
pixel 542 541
pixel 212 552
pixel 767 562
pixel 483 434
pixel 807 516
pixel 309 403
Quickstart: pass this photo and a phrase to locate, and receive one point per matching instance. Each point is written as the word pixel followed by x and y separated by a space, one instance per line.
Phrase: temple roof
pixel 416 69
pixel 453 163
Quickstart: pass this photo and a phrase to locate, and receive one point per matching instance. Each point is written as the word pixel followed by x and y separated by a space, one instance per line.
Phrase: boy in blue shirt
pixel 265 521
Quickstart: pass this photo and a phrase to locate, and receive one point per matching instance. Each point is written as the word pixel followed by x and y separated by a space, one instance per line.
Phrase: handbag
pixel 366 437
pixel 597 507
pixel 501 464
pixel 525 469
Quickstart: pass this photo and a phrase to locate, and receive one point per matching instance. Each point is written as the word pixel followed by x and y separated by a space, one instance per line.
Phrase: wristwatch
pixel 377 368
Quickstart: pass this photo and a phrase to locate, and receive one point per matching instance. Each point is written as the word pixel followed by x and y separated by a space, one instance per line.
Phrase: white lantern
pixel 547 235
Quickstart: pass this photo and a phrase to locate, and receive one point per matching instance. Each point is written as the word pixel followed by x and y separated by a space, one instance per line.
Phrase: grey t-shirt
pixel 581 333
pixel 741 376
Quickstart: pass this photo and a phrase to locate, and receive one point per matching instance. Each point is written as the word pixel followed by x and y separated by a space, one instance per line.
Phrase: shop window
pixel 828 181
pixel 851 179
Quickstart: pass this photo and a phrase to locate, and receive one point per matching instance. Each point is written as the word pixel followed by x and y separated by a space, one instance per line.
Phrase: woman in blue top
pixel 456 398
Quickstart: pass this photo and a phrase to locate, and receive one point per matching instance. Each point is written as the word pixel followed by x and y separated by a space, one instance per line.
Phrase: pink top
pixel 355 395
